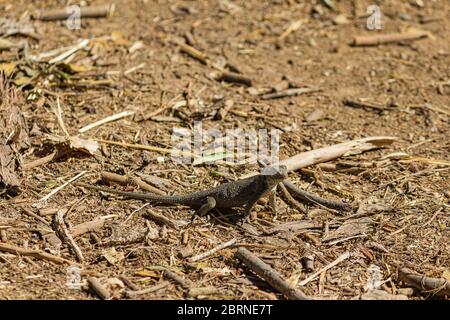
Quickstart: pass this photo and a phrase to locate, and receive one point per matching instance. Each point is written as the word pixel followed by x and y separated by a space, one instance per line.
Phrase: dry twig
pixel 157 287
pixel 288 93
pixel 34 253
pixel 184 283
pixel 290 200
pixel 63 233
pixel 35 216
pixel 374 40
pixel 158 218
pixel 339 259
pixel 268 274
pixel 125 180
pixel 85 12
pixel 213 250
pixel 232 77
pixel 437 286
pixel 98 288
pixel 325 154
pixel 194 53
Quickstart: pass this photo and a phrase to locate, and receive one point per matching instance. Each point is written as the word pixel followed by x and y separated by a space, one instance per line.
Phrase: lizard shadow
pixel 224 216
pixel 235 218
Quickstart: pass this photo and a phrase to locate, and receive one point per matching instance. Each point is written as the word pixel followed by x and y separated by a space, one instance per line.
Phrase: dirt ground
pixel 400 193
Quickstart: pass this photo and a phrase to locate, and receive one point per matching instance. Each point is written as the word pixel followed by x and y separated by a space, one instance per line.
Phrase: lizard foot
pixel 204 209
pixel 247 219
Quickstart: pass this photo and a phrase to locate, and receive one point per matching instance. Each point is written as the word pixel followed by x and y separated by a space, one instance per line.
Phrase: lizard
pixel 240 193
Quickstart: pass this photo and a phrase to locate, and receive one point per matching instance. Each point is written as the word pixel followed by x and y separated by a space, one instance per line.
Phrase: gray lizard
pixel 240 193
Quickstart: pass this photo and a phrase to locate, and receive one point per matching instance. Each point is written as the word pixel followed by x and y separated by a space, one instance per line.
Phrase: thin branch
pixel 328 153
pixel 213 250
pixel 54 191
pixel 98 288
pixel 157 287
pixel 61 230
pixel 437 286
pixel 341 258
pixel 144 147
pixel 34 253
pixel 268 274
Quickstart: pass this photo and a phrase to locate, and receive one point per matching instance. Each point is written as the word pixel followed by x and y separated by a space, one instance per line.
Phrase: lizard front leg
pixel 248 209
pixel 251 203
pixel 273 202
pixel 204 209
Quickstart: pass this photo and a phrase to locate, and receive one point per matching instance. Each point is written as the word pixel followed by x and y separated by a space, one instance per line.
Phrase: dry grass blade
pixel 44 199
pixel 81 45
pixel 143 147
pixel 111 118
pixel 339 259
pixel 213 250
pixel 294 26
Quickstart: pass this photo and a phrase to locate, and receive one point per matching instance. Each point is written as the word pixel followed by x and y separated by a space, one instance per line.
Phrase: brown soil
pixel 408 80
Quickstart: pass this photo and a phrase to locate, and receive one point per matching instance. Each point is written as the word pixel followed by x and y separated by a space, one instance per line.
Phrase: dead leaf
pixel 415 30
pixel 148 273
pixel 74 68
pixel 340 19
pixel 52 239
pixel 112 256
pixel 118 38
pixel 8 68
pixel 395 156
pixel 22 81
pixel 7 167
pixel 381 295
pixel 114 284
pixel 368 209
pixel 294 226
pixel 315 115
pixel 350 228
pixel 218 271
pixel 91 146
pixel 136 46
pixel 446 274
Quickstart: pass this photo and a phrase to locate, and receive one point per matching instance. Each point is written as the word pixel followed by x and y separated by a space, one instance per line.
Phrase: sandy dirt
pixel 133 62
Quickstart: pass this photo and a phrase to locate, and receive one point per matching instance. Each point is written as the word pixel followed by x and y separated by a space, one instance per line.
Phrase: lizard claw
pixel 204 209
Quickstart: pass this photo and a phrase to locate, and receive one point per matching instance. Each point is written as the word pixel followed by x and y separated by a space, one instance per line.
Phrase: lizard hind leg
pixel 205 208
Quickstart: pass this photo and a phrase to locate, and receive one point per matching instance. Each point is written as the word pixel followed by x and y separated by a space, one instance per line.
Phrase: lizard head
pixel 275 174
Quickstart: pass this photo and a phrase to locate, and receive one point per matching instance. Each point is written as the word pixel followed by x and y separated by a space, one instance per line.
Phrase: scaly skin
pixel 241 193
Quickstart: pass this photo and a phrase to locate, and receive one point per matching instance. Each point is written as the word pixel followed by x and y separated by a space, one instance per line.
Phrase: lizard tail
pixel 133 195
